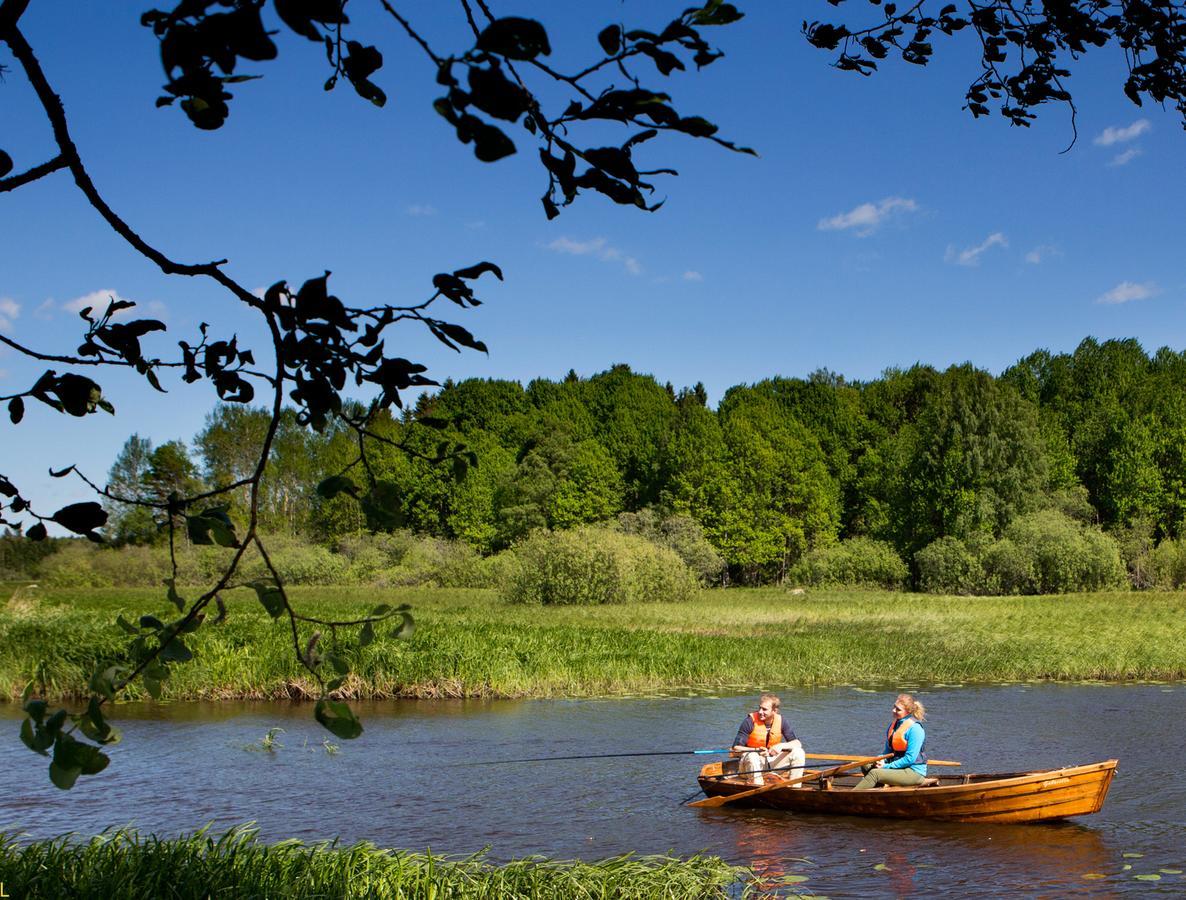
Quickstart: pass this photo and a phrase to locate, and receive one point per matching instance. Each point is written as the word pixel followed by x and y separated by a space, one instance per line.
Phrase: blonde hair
pixel 774 701
pixel 913 707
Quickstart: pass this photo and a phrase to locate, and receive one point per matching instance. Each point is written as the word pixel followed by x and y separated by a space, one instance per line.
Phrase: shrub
pixel 595 565
pixel 72 566
pixel 1008 569
pixel 680 533
pixel 947 566
pixel 1164 566
pixel 1067 556
pixel 859 562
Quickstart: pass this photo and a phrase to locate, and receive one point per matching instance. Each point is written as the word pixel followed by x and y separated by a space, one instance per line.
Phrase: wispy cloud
pixel 421 209
pixel 970 256
pixel 693 275
pixel 96 300
pixel 866 218
pixel 599 248
pixel 1127 291
pixel 10 311
pixel 1123 159
pixel 1113 135
pixel 1041 253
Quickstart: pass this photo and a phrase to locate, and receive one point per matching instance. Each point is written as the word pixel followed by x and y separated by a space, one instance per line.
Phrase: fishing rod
pixel 601 756
pixel 831 756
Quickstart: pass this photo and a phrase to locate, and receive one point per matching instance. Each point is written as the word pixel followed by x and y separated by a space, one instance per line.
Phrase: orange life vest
pixel 896 738
pixel 762 736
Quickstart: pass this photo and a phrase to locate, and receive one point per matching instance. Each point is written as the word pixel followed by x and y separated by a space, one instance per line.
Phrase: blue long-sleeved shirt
pixel 915 735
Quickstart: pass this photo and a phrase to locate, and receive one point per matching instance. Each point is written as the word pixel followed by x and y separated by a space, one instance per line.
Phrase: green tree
pixel 128 521
pixel 791 502
pixel 974 460
pixel 631 415
pixel 558 483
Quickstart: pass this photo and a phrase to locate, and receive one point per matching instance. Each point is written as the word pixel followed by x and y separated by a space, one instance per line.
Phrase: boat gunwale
pixel 947 789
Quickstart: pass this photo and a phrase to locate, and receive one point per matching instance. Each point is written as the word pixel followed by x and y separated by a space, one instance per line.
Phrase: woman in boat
pixel 766 741
pixel 904 739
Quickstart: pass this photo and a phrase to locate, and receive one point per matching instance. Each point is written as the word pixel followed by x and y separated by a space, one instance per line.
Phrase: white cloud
pixel 97 301
pixel 1127 291
pixel 1113 135
pixel 10 311
pixel 867 217
pixel 46 309
pixel 598 247
pixel 421 209
pixel 577 248
pixel 1123 159
pixel 1041 253
pixel 970 256
pixel 693 275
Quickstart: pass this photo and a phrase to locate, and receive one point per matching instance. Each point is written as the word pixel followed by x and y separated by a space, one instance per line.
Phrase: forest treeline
pixel 1065 472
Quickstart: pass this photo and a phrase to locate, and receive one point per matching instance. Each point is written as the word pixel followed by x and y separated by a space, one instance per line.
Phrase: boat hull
pixel 1026 797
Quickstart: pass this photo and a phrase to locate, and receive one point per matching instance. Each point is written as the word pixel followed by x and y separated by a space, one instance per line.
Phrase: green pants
pixel 878 776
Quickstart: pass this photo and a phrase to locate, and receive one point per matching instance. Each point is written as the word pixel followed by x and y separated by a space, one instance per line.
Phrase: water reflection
pixel 410 782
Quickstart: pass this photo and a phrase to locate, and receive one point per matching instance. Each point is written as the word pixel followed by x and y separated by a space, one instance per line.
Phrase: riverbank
pixel 124 864
pixel 469 643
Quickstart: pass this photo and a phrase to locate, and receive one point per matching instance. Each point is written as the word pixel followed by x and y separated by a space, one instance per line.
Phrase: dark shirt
pixel 747 728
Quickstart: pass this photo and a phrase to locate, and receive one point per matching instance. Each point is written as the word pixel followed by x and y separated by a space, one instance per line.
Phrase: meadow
pixel 471 643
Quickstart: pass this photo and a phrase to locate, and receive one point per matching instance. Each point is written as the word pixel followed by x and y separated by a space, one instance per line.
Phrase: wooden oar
pixel 841 758
pixel 721 800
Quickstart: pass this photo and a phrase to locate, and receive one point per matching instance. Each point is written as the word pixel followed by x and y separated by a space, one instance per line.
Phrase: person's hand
pixel 881 763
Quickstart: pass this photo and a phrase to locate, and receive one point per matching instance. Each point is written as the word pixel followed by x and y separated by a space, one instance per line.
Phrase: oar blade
pixel 711 802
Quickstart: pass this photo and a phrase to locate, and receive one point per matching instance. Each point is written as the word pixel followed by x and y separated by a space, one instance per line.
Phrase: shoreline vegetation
pixel 125 864
pixel 470 643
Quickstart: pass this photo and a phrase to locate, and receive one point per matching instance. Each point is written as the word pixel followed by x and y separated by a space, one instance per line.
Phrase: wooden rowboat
pixel 1017 797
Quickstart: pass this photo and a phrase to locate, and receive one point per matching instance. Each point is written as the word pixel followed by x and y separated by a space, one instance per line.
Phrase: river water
pixel 410 782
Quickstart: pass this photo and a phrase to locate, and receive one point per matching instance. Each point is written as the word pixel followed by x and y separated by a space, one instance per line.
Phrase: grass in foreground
pixel 126 865
pixel 469 643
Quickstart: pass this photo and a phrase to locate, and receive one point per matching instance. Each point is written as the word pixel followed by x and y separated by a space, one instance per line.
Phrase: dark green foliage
pixel 770 480
pixel 973 460
pixel 20 558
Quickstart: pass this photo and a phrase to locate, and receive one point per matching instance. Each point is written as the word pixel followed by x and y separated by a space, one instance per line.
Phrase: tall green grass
pixel 125 865
pixel 469 643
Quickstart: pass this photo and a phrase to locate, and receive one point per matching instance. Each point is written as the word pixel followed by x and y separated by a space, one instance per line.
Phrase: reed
pixel 469 643
pixel 237 864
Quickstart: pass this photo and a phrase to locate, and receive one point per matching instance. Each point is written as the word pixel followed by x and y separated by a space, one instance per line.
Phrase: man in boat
pixel 904 740
pixel 766 741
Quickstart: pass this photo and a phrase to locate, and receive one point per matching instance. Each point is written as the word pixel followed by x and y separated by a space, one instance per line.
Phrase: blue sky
pixel 880 226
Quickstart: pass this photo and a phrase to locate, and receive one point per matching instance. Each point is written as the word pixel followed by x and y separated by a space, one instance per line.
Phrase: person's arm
pixel 740 744
pixel 914 739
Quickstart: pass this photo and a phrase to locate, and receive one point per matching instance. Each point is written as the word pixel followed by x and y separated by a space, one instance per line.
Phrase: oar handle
pixel 839 757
